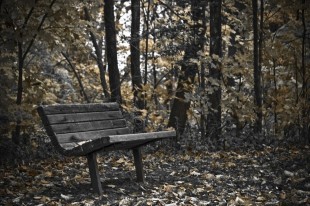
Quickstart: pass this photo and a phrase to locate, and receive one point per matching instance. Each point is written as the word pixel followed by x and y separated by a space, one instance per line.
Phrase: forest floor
pixel 271 175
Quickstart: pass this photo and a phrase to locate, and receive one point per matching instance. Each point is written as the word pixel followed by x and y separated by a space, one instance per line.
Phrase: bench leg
pixel 138 164
pixel 94 173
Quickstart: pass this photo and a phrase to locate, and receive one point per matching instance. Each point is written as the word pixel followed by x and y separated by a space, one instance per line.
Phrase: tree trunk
pixel 214 112
pixel 203 78
pixel 153 55
pixel 180 106
pixel 135 53
pixel 21 60
pixel 16 133
pixel 257 71
pixel 146 41
pixel 260 60
pixel 304 93
pixel 114 76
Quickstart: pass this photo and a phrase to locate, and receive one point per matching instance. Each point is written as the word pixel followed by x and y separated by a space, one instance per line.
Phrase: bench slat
pixel 69 145
pixel 83 117
pixel 88 126
pixel 141 136
pixel 73 108
pixel 90 135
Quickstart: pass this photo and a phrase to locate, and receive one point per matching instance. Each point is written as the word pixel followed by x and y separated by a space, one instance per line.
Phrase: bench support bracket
pixel 138 163
pixel 94 173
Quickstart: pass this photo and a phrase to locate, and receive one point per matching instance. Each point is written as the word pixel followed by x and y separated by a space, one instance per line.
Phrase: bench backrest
pixel 68 125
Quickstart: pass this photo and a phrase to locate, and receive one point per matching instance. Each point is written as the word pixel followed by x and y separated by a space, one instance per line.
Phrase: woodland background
pixel 217 71
pixel 232 77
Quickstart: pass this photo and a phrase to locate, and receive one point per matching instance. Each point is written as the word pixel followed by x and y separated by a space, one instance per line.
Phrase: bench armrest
pixel 141 136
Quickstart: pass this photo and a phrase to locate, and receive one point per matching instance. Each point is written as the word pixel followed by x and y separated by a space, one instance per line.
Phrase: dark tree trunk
pixel 146 41
pixel 135 53
pixel 260 62
pixel 203 66
pixel 16 133
pixel 114 76
pixel 99 57
pixel 178 115
pixel 21 60
pixel 304 90
pixel 257 71
pixel 153 55
pixel 214 115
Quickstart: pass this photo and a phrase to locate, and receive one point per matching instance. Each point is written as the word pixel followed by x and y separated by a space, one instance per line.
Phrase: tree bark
pixel 180 106
pixel 146 41
pixel 257 71
pixel 304 90
pixel 153 55
pixel 135 53
pixel 16 133
pixel 114 76
pixel 215 110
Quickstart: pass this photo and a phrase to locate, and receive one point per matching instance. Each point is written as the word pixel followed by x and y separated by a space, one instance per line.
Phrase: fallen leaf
pixel 48 174
pixel 238 200
pixel 195 173
pixel 288 173
pixel 168 188
pixel 121 160
pixel 282 195
pixel 37 197
pixel 66 197
pixel 208 176
pixel 260 199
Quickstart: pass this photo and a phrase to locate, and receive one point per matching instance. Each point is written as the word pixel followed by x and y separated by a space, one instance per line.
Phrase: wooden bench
pixel 85 129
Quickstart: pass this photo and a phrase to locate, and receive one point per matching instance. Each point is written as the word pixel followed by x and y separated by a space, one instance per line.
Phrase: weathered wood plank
pixel 141 136
pixel 85 147
pixel 72 149
pixel 73 108
pixel 94 173
pixel 96 144
pixel 69 145
pixel 88 126
pixel 83 117
pixel 90 135
pixel 123 145
pixel 54 139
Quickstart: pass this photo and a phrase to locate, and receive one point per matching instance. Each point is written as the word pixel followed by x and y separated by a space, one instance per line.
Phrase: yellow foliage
pixel 143 44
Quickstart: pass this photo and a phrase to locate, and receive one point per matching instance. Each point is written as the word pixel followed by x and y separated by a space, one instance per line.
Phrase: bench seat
pixel 113 142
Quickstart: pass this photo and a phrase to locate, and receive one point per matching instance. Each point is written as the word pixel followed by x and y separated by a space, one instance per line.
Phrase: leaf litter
pixel 269 176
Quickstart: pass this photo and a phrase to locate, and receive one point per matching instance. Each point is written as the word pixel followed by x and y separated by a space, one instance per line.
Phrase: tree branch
pixel 77 76
pixel 98 57
pixel 38 29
